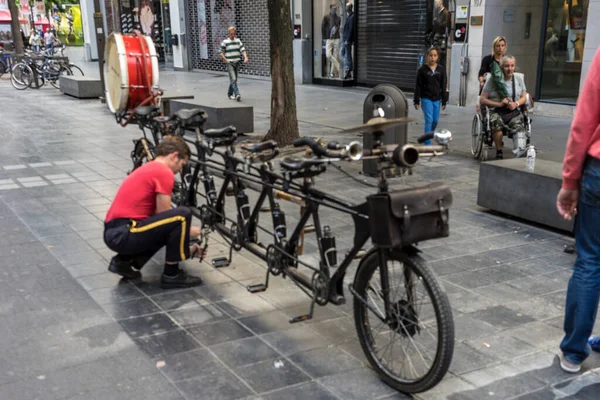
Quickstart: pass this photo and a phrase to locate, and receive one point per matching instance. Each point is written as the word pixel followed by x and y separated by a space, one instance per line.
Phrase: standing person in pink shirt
pixel 580 197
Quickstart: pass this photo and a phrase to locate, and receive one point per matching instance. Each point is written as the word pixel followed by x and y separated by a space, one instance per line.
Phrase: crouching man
pixel 140 220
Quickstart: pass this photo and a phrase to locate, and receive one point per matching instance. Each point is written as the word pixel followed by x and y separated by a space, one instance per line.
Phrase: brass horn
pixel 354 150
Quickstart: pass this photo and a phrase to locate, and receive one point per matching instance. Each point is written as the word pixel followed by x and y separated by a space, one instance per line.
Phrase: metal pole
pixel 101 39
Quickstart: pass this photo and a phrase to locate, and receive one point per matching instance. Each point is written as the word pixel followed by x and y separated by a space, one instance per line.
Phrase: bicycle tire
pixel 21 76
pixel 75 70
pixel 56 82
pixel 139 155
pixel 443 317
pixel 3 68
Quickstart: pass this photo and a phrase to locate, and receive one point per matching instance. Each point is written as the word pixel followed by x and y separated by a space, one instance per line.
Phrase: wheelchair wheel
pixel 477 136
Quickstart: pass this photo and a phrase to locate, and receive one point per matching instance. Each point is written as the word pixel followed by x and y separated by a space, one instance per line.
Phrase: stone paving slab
pixel 64 316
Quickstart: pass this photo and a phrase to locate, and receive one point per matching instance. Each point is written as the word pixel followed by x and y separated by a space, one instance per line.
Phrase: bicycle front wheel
pixel 410 342
pixel 21 76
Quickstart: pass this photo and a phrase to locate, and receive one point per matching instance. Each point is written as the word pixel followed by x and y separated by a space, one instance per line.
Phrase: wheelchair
pixel 482 136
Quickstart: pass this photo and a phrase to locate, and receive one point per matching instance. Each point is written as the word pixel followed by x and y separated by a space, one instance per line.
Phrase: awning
pixel 5 17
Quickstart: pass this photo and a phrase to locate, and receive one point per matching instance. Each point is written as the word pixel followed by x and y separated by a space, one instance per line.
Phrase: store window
pixel 334 37
pixel 563 50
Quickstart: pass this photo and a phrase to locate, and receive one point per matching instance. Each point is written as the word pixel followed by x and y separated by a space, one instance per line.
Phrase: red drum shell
pixel 130 70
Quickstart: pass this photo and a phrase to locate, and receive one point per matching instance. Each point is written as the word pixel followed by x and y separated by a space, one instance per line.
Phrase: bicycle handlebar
pixel 316 148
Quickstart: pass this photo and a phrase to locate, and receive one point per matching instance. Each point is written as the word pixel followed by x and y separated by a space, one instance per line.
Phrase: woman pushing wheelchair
pixel 506 116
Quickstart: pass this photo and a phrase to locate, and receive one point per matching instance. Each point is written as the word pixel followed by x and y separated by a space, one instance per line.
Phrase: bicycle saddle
pixel 144 111
pixel 299 164
pixel 258 147
pixel 187 115
pixel 220 133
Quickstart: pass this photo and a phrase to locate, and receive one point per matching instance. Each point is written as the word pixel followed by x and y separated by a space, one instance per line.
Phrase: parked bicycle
pixel 402 315
pixel 399 307
pixel 35 71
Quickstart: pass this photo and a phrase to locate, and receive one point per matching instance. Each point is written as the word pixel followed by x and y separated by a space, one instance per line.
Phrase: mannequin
pixel 348 41
pixel 330 29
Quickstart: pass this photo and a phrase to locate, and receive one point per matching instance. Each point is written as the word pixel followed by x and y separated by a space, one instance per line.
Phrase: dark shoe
pixel 499 155
pixel 123 267
pixel 181 280
pixel 569 249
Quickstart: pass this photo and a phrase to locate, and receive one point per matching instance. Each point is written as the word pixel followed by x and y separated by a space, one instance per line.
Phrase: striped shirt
pixel 232 49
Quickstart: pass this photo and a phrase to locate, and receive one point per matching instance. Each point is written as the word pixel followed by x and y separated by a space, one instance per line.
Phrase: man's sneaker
pixel 594 343
pixel 232 97
pixel 238 97
pixel 123 267
pixel 568 366
pixel 181 280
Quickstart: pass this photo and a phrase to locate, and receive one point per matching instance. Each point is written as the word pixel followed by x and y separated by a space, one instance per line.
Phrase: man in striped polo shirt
pixel 231 53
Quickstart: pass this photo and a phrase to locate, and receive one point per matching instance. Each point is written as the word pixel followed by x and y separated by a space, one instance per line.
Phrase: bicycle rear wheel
pixel 75 70
pixel 21 76
pixel 55 74
pixel 410 344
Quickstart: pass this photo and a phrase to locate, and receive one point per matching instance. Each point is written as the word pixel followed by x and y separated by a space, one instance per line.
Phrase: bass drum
pixel 130 70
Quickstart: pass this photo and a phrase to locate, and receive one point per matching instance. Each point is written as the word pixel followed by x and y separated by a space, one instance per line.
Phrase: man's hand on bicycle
pixel 195 232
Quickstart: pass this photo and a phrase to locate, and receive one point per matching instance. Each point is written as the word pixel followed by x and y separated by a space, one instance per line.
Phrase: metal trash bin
pixel 394 104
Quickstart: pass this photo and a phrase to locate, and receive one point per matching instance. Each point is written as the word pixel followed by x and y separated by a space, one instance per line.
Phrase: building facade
pixel 552 40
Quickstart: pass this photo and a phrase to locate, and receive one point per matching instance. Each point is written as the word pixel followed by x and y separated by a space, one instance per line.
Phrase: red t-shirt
pixel 136 198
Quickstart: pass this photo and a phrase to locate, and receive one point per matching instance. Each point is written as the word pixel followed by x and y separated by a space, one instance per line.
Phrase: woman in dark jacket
pixel 430 90
pixel 498 50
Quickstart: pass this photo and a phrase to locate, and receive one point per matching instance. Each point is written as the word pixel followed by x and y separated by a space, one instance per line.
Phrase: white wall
pixel 525 50
pixel 176 28
pixel 89 34
pixel 592 38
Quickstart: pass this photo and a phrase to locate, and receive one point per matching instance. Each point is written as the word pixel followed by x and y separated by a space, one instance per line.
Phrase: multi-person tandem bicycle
pixel 402 315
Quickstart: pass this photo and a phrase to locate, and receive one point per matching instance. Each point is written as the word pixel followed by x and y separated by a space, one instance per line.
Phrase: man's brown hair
pixel 173 144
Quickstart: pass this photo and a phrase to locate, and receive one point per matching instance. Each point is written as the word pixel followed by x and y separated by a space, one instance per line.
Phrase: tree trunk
pixel 15 26
pixel 284 122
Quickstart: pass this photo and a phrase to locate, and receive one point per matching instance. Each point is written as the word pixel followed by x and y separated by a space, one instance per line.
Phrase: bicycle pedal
pixel 260 287
pixel 220 262
pixel 300 318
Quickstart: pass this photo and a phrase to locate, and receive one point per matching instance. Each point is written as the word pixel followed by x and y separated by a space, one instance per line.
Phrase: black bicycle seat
pixel 220 133
pixel 187 115
pixel 145 111
pixel 299 164
pixel 258 147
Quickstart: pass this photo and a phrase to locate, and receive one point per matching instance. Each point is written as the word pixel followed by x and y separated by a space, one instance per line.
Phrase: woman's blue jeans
pixel 431 111
pixel 584 286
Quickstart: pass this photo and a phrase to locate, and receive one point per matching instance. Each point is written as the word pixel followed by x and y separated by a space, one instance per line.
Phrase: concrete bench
pixel 221 113
pixel 82 87
pixel 506 186
pixel 167 97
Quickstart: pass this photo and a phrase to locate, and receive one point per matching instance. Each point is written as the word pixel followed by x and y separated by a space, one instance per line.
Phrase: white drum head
pixel 154 61
pixel 116 74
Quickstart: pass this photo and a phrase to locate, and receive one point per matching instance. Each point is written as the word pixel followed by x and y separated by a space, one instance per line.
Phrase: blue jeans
pixel 347 58
pixel 431 111
pixel 584 286
pixel 234 68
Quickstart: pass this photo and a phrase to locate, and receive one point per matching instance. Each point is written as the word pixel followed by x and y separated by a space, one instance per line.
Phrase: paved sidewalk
pixel 73 331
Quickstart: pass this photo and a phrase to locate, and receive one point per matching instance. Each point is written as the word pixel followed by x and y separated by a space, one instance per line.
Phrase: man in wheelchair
pixel 508 115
